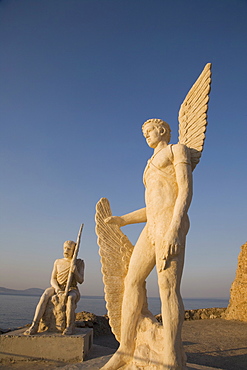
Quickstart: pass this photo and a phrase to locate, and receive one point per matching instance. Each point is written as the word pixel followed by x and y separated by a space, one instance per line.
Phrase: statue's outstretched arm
pixel 130 218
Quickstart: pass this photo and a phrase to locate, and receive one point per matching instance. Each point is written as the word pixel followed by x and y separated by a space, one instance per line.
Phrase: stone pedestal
pixel 72 348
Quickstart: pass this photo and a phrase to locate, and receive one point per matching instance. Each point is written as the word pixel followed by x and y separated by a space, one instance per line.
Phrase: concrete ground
pixel 218 343
pixel 209 344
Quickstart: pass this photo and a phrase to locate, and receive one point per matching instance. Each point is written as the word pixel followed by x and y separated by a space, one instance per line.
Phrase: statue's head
pixel 68 248
pixel 162 126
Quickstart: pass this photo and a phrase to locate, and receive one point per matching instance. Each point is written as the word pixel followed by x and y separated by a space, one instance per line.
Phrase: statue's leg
pixel 172 312
pixel 40 309
pixel 141 264
pixel 70 311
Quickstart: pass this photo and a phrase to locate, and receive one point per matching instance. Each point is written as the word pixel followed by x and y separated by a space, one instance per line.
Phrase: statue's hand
pixel 172 247
pixel 59 291
pixel 115 220
pixel 74 269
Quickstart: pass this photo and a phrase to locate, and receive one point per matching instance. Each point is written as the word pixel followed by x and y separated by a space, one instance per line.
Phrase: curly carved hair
pixel 160 123
pixel 70 243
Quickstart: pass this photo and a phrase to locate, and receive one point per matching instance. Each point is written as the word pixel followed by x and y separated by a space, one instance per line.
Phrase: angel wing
pixel 115 251
pixel 193 116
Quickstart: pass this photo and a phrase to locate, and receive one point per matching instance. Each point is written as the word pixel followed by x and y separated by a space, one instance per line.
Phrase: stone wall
pixel 201 314
pixel 100 324
pixel 237 308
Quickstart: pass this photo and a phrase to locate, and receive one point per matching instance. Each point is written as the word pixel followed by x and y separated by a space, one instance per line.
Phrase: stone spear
pixel 73 261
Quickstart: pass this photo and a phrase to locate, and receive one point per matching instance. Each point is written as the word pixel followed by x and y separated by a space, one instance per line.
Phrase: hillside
pixel 30 291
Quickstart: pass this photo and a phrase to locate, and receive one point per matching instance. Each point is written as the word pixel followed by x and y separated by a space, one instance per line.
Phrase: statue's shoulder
pixel 181 153
pixel 179 148
pixel 58 262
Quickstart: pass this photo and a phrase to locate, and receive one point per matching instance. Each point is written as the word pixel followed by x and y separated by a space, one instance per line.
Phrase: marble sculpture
pixel 144 343
pixel 56 308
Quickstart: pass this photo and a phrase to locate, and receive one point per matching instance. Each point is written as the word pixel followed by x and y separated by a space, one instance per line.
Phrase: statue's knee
pixel 165 286
pixel 47 294
pixel 71 298
pixel 132 283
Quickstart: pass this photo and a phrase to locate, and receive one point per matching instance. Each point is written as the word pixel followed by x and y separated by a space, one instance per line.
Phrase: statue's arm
pixel 183 172
pixel 78 270
pixel 181 162
pixel 54 282
pixel 130 218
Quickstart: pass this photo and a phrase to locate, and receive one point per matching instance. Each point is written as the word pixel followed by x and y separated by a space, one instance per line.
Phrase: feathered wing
pixel 115 250
pixel 193 115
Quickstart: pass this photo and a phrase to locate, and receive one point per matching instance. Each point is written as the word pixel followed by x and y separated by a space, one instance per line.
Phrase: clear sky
pixel 77 80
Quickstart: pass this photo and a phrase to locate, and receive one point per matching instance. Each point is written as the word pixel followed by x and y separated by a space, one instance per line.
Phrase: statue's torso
pixel 161 192
pixel 63 267
pixel 161 186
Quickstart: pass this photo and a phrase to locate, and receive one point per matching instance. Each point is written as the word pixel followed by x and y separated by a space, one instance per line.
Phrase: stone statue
pixel 144 343
pixel 56 308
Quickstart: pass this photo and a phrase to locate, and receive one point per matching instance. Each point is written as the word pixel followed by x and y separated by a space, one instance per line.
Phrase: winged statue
pixel 115 248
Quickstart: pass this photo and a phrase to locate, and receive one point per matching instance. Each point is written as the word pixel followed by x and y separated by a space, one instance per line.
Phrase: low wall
pixel 101 325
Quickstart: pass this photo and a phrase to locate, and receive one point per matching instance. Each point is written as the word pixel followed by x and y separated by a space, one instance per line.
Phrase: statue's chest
pixel 159 165
pixel 63 267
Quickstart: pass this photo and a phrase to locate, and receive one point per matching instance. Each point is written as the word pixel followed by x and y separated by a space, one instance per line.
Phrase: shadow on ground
pixel 232 362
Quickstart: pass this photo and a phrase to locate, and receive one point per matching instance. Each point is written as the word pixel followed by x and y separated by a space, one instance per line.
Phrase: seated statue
pixel 62 296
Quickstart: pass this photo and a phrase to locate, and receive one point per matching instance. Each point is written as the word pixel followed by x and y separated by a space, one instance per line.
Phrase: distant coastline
pixel 30 291
pixel 38 292
pixel 33 292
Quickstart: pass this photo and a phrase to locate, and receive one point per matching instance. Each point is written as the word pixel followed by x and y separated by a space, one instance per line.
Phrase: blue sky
pixel 77 80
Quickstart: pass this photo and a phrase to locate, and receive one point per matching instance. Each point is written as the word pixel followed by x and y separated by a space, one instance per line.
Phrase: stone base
pixel 149 346
pixel 46 346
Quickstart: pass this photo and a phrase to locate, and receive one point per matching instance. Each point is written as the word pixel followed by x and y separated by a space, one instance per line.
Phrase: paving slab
pixel 209 344
pixel 98 360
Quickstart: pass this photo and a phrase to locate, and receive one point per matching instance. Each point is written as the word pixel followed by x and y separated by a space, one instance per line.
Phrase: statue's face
pixel 153 134
pixel 68 251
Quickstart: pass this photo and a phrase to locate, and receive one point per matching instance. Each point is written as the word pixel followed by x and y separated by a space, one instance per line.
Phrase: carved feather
pixel 115 250
pixel 193 116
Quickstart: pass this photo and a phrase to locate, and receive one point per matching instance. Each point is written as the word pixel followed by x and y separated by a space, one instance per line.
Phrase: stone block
pixel 47 346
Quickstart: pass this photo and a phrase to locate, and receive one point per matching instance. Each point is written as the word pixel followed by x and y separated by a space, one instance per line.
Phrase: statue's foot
pixel 118 360
pixel 32 330
pixel 68 331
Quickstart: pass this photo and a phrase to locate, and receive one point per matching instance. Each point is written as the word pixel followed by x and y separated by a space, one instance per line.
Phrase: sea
pixel 18 310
